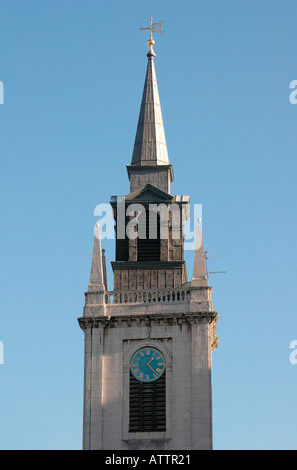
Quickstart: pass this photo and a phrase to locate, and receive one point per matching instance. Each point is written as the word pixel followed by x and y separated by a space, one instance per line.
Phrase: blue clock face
pixel 147 364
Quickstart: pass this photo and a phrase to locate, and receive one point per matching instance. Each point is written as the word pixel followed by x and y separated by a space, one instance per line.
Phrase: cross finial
pixel 154 28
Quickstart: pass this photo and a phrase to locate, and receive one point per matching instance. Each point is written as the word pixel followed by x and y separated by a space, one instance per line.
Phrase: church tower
pixel 149 342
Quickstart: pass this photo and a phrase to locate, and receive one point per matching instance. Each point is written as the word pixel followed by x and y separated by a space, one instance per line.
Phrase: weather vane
pixel 154 28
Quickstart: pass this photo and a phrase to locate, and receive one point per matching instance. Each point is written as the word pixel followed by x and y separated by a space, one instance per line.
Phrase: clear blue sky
pixel 73 73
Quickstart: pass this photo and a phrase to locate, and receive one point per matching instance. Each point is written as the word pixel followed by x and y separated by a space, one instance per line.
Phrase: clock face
pixel 147 364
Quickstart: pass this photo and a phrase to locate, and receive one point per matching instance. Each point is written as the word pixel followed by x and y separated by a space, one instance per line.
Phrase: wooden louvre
pixel 149 249
pixel 147 405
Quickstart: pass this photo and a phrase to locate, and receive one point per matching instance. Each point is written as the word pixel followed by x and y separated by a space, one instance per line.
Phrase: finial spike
pixel 97 273
pixel 199 270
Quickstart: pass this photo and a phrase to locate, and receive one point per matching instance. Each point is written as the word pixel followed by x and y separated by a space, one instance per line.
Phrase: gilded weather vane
pixel 154 28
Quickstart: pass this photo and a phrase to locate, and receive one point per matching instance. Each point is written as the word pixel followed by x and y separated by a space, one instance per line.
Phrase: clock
pixel 147 364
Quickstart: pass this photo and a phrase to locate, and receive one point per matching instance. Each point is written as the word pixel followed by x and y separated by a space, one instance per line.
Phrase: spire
pixel 199 271
pixel 97 271
pixel 104 269
pixel 150 143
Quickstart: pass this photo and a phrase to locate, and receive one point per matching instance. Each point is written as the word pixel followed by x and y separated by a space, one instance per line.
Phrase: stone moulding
pixel 97 322
pixel 152 320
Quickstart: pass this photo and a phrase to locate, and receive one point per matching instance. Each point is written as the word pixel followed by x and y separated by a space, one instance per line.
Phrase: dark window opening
pixel 147 405
pixel 149 249
pixel 122 245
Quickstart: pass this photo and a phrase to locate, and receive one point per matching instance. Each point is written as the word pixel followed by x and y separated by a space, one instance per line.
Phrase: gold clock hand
pixel 150 361
pixel 151 367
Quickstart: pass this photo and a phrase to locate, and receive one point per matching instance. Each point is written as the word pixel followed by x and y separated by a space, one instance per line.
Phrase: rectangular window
pixel 147 405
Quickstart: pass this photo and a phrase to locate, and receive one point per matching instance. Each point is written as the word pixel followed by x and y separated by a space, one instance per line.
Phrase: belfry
pixel 149 341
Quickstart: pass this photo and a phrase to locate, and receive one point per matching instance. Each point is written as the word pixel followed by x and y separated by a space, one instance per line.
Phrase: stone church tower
pixel 149 342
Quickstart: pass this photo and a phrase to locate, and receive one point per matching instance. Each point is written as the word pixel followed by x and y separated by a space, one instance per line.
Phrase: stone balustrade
pixel 180 295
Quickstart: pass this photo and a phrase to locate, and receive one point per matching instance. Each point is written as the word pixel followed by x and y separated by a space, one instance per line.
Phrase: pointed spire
pixel 199 271
pixel 97 272
pixel 150 146
pixel 104 269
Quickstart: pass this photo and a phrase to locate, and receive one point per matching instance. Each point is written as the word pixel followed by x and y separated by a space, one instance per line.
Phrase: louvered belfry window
pixel 147 405
pixel 122 245
pixel 149 249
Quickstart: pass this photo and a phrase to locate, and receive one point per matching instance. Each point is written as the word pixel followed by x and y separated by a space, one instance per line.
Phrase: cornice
pixel 147 320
